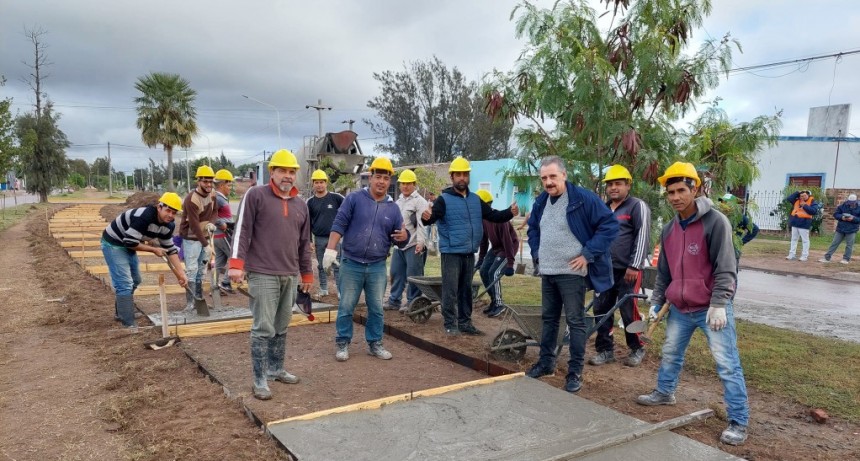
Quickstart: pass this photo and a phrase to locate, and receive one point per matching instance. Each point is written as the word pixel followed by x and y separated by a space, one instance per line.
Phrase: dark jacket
pixel 631 248
pixel 504 240
pixel 697 267
pixel 366 226
pixel 848 208
pixel 802 213
pixel 460 218
pixel 592 223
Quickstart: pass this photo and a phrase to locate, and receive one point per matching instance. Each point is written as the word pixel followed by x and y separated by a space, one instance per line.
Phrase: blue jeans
pixel 405 263
pixel 490 270
pixel 123 267
pixel 563 293
pixel 457 272
pixel 838 237
pixel 356 277
pixel 724 348
pixel 272 303
pixel 319 246
pixel 196 259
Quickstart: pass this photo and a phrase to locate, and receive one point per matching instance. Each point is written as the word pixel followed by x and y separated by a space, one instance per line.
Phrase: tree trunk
pixel 170 186
pixel 43 196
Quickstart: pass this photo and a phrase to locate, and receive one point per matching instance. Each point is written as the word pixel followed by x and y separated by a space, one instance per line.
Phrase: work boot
pixel 125 310
pixel 189 296
pixel 488 309
pixel 259 351
pixel 377 350
pixel 389 306
pixel 276 372
pixel 540 369
pixel 573 383
pixel 342 354
pixel 602 358
pixel 497 311
pixel 656 398
pixel 735 434
pixel 469 329
pixel 634 358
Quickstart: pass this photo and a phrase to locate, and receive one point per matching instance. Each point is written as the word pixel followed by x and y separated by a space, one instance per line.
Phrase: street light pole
pixel 350 121
pixel 319 107
pixel 277 113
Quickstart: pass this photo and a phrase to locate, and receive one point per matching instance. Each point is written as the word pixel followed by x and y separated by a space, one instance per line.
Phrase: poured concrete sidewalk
pixel 516 419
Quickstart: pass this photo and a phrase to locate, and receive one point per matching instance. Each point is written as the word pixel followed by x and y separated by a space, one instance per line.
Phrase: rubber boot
pixel 189 296
pixel 125 310
pixel 198 290
pixel 277 350
pixel 259 350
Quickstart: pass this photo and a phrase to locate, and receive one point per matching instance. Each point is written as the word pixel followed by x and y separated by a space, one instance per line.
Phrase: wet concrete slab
pixel 520 418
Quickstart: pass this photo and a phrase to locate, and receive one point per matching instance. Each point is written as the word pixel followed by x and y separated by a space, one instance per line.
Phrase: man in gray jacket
pixel 409 260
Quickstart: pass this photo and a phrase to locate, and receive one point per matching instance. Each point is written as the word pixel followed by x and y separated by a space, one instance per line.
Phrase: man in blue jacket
pixel 570 234
pixel 804 208
pixel 847 223
pixel 460 214
pixel 369 221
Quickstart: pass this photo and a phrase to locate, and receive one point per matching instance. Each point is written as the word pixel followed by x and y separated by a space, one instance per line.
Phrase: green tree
pixel 166 114
pixel 7 134
pixel 42 151
pixel 432 114
pixel 604 92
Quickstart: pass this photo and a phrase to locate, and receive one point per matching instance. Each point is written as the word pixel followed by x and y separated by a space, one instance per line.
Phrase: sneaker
pixel 735 434
pixel 227 290
pixel 802 259
pixel 602 358
pixel 656 398
pixel 404 309
pixel 342 354
pixel 790 257
pixel 497 311
pixel 262 393
pixel 539 369
pixel 844 261
pixel 488 309
pixel 131 329
pixel 283 376
pixel 573 383
pixel 452 331
pixel 824 260
pixel 634 358
pixel 388 306
pixel 322 292
pixel 377 350
pixel 470 330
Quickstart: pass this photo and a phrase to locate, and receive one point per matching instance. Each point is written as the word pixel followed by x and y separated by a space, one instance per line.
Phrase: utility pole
pixel 110 175
pixel 319 107
pixel 350 121
pixel 187 172
pixel 152 179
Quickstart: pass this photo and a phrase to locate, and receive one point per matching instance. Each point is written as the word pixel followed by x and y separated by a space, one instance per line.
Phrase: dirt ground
pixel 72 387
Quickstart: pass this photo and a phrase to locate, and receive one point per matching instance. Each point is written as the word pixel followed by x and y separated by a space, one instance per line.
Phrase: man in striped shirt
pixel 129 233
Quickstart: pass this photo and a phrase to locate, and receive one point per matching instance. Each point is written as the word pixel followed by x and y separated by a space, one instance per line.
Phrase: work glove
pixel 652 312
pixel 509 271
pixel 329 258
pixel 210 228
pixel 716 318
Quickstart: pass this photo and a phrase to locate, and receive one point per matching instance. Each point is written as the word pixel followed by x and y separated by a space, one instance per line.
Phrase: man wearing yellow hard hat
pixel 125 236
pixel 459 214
pixel 223 227
pixel 409 260
pixel 199 206
pixel 323 206
pixel 696 278
pixel 496 260
pixel 272 247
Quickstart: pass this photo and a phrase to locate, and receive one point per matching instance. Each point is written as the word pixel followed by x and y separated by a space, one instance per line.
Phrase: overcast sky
pixel 290 53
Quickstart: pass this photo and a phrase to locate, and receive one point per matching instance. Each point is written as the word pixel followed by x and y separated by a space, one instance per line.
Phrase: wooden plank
pixel 149 290
pixel 77 235
pixel 97 270
pixel 85 253
pixel 152 267
pixel 196 330
pixel 78 244
pixel 378 403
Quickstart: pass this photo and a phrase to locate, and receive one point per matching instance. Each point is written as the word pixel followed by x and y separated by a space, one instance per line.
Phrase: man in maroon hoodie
pixel 500 260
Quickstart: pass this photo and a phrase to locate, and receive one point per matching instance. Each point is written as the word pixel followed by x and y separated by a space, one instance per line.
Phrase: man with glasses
pixel 369 222
pixel 199 206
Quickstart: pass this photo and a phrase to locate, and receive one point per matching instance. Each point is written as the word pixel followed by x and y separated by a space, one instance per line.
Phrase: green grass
pixel 12 215
pixel 813 371
pixel 765 245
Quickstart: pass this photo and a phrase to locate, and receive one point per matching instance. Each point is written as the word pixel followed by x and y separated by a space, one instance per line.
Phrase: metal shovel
pixel 200 305
pixel 521 268
pixel 640 326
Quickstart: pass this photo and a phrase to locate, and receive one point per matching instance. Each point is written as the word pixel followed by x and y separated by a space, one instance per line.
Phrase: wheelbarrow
pixel 422 307
pixel 511 343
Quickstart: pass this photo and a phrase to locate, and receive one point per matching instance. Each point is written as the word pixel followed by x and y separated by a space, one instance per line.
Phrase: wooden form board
pixel 223 327
pixel 85 243
pixel 77 235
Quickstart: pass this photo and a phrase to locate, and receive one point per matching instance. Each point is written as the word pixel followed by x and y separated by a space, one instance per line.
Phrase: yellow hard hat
pixel 459 164
pixel 617 172
pixel 407 176
pixel 382 163
pixel 319 175
pixel 680 170
pixel 224 175
pixel 485 195
pixel 284 159
pixel 172 200
pixel 204 171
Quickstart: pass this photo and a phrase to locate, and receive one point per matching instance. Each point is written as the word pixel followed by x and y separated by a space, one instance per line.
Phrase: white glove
pixel 716 318
pixel 210 228
pixel 652 312
pixel 329 258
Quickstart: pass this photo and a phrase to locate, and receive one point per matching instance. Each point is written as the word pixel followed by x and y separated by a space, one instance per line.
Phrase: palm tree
pixel 166 114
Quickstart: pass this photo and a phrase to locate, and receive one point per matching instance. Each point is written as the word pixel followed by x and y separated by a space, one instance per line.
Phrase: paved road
pixel 8 200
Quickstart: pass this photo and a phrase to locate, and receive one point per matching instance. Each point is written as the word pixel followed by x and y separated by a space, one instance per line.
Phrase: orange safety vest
pixel 798 208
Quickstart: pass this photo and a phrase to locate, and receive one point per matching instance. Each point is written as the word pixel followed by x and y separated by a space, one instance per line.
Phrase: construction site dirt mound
pixel 140 199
